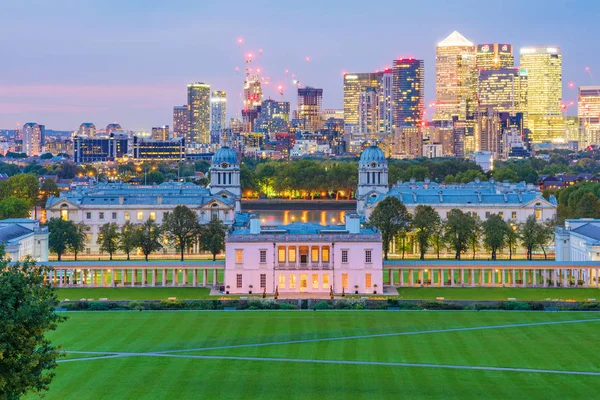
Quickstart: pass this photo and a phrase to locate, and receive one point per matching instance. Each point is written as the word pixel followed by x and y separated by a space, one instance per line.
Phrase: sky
pixel 64 62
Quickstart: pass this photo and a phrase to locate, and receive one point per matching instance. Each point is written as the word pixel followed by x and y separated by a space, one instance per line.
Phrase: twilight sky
pixel 64 62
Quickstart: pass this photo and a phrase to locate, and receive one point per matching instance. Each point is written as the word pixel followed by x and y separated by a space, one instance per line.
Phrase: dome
pixel 372 153
pixel 225 154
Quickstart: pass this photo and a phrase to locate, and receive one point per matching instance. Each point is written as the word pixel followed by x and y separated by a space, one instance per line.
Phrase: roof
pixel 372 153
pixel 225 154
pixel 304 228
pixel 455 39
pixel 12 232
pixel 591 230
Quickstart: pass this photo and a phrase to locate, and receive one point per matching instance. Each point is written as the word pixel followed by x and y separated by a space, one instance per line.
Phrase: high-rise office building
pixel 386 113
pixel 494 56
pixel 456 78
pixel 160 132
pixel 87 129
pixel 588 115
pixel 408 93
pixel 503 90
pixel 310 105
pixel 112 128
pixel 544 93
pixel 353 85
pixel 274 116
pixel 33 138
pixel 199 114
pixel 180 121
pixel 218 110
pixel 368 118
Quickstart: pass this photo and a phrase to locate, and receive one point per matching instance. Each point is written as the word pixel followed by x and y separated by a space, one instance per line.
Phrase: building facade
pixel 304 258
pixel 88 149
pixel 310 106
pixel 408 93
pixel 494 56
pixel 578 240
pixel 199 115
pixel 180 121
pixel 158 149
pixel 353 85
pixel 218 110
pixel 588 115
pixel 160 132
pixel 87 129
pixel 24 238
pixel 33 138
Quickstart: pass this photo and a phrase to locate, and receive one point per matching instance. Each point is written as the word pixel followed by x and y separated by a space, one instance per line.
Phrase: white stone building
pixel 23 237
pixel 304 258
pixel 578 240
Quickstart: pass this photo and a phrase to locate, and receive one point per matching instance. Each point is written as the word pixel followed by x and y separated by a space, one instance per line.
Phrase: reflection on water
pixel 284 217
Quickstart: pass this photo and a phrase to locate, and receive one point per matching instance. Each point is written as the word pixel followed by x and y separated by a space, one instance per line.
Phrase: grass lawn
pixel 243 373
pixel 146 293
pixel 430 293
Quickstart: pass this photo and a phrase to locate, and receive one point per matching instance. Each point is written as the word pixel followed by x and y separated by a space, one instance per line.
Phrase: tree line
pixel 181 229
pixel 460 232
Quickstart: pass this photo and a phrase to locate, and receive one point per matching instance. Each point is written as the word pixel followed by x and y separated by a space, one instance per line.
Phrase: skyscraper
pixel 180 121
pixel 87 129
pixel 274 116
pixel 588 115
pixel 368 118
pixel 503 90
pixel 33 139
pixel 218 110
pixel 114 127
pixel 408 93
pixel 386 113
pixel 455 81
pixel 199 114
pixel 160 132
pixel 353 85
pixel 310 104
pixel 544 96
pixel 494 56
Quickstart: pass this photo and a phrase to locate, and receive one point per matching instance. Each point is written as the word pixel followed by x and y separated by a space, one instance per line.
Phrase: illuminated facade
pixel 588 115
pixel 159 149
pixel 87 129
pixel 494 56
pixel 455 82
pixel 274 116
pixel 113 128
pixel 310 104
pixel 368 121
pixel 99 148
pixel 199 114
pixel 218 110
pixel 353 85
pixel 386 113
pixel 503 90
pixel 33 138
pixel 544 94
pixel 160 132
pixel 408 93
pixel 180 121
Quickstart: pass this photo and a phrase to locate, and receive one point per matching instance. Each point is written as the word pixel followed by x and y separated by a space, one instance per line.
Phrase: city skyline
pixel 61 79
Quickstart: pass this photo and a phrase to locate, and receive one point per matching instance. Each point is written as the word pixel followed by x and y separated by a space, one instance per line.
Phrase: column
pixel 514 278
pixel 133 277
pixel 153 273
pixel 400 277
pixel 174 276
pixel 195 277
pixel 555 277
pixel 452 277
pixel 390 279
pixel 472 279
pixel 441 277
pixel 587 280
pixel 184 277
pixel 216 277
pixel 123 277
pixel 205 277
pixel 566 278
pixel 102 277
pixel 494 276
pixel 164 277
pixel 597 280
pixel 411 278
pixel 113 272
pixel 545 276
pixel 420 276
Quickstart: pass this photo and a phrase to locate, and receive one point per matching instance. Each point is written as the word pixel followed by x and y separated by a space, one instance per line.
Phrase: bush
pixel 322 305
pixel 136 305
pixel 98 305
pixel 79 305
pixel 200 305
pixel 173 304
pixel 513 305
pixel 287 306
pixel 440 305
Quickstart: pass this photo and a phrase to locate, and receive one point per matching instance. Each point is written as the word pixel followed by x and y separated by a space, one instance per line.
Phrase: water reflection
pixel 284 217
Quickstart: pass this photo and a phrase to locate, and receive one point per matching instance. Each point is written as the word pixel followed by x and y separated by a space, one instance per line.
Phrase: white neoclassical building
pixel 303 258
pixel 121 202
pixel 24 238
pixel 514 202
pixel 578 240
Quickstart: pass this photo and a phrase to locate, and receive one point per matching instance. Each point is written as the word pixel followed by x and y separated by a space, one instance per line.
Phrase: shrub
pixel 173 304
pixel 98 305
pixel 322 305
pixel 287 306
pixel 513 305
pixel 80 305
pixel 136 305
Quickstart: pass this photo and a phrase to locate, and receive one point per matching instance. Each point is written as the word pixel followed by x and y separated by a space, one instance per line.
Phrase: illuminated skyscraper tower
pixel 33 138
pixel 456 77
pixel 310 101
pixel 180 121
pixel 588 114
pixel 544 97
pixel 408 93
pixel 353 85
pixel 504 90
pixel 386 113
pixel 199 114
pixel 494 56
pixel 218 110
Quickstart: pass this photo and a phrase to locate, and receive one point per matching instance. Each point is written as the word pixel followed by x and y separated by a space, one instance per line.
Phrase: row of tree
pixel 459 232
pixel 181 229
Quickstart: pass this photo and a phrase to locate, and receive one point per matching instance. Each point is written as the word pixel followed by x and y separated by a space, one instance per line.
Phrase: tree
pixel 181 227
pixel 425 221
pixel 588 206
pixel 528 233
pixel 47 189
pixel 108 238
pixel 437 237
pixel 78 240
pixel 212 237
pixel 13 207
pixel 27 313
pixel 128 238
pixel 148 237
pixel 512 238
pixel 390 217
pixel 60 235
pixel 495 232
pixel 544 235
pixel 156 177
pixel 459 230
pixel 23 186
pixel 476 234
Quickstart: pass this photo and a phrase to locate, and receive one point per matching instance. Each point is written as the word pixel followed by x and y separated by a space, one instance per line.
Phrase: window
pixel 538 214
pixel 238 256
pixel 140 215
pixel 114 215
pixel 281 281
pixel 101 215
pixel 292 281
pixel 88 215
pixel 292 254
pixel 368 281
pixel 64 213
pixel 501 214
pixel 487 214
pixel 238 281
pixel 263 281
pixel 314 255
pixel 152 215
pixel 127 216
pixel 344 256
pixel 281 254
pixel 325 254
pixel 514 215
pixel 345 281
pixel 368 258
pixel 325 281
pixel 263 257
pixel 315 281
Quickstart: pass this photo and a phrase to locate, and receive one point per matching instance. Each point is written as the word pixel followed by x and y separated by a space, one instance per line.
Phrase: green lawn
pixel 430 293
pixel 567 347
pixel 146 293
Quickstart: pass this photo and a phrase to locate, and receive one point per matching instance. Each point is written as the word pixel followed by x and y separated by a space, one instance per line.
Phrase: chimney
pixel 159 199
pixel 352 223
pixel 121 199
pixel 254 224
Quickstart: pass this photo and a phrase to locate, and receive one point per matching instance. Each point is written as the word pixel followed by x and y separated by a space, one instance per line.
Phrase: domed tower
pixel 372 175
pixel 225 173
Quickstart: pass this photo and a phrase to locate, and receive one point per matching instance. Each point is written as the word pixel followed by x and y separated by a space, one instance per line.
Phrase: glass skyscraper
pixel 494 56
pixel 408 92
pixel 353 85
pixel 199 114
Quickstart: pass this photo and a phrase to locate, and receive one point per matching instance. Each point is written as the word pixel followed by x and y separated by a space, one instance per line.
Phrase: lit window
pixel 345 281
pixel 514 215
pixel 140 215
pixel 238 281
pixel 314 255
pixel 325 254
pixel 325 281
pixel 368 282
pixel 281 281
pixel 368 258
pixel 281 255
pixel 238 255
pixel 344 256
pixel 64 214
pixel 315 281
pixel 292 281
pixel 263 256
pixel 292 254
pixel 127 216
pixel 538 214
pixel 152 215
pixel 263 281
pixel 114 215
pixel 101 215
pixel 88 215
